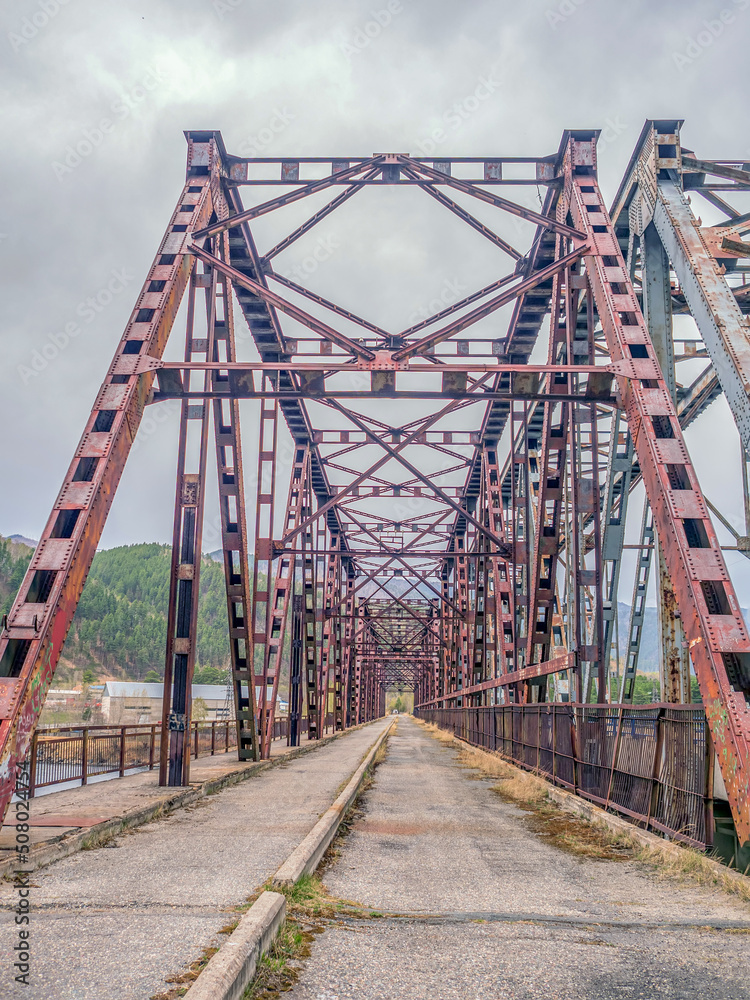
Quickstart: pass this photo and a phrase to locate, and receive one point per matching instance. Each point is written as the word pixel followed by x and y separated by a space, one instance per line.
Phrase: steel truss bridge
pixel 450 517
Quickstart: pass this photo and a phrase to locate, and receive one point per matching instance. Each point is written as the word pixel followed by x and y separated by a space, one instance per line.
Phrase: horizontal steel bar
pixel 611 368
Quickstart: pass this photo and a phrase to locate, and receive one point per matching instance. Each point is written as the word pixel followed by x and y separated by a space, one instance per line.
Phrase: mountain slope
pixel 121 619
pixel 14 558
pixel 121 622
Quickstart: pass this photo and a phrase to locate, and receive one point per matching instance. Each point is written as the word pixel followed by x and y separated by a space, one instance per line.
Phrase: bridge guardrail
pixel 651 763
pixel 61 754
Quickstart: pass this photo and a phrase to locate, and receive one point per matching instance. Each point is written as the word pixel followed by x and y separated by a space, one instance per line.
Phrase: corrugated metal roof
pixel 137 689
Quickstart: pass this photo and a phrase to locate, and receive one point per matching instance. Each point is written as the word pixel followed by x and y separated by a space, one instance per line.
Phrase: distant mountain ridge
pixel 23 540
pixel 648 654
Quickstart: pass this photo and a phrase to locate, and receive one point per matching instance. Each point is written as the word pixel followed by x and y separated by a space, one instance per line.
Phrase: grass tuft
pixel 691 865
pixel 307 899
pixel 277 971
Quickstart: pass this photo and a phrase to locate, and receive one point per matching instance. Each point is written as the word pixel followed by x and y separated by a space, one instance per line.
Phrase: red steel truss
pixel 450 506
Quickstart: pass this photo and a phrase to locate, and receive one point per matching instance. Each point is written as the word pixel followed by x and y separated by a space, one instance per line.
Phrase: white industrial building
pixel 136 703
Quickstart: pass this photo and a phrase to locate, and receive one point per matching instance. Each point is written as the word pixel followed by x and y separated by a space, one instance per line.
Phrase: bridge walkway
pixel 114 923
pixel 60 812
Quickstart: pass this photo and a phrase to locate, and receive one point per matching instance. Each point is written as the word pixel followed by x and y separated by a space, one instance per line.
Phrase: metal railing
pixel 61 754
pixel 651 763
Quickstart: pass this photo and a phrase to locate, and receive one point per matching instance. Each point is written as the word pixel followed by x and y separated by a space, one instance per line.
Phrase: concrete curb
pixel 72 843
pixel 232 967
pixel 305 859
pixel 589 810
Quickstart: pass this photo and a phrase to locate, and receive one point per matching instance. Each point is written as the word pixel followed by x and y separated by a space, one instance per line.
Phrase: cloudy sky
pixel 284 78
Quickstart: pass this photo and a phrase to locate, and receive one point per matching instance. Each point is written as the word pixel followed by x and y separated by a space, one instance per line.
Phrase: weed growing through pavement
pixel 184 980
pixel 308 905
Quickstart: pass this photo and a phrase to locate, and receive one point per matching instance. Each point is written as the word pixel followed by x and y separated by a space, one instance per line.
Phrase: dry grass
pixel 381 753
pixel 103 838
pixel 689 865
pixel 564 830
pixel 440 734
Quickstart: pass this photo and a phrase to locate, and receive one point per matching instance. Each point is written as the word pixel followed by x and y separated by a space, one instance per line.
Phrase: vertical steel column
pixel 614 513
pixel 551 462
pixel 457 629
pixel 638 605
pixel 343 661
pixel 234 536
pixel 296 511
pixel 589 481
pixel 575 515
pixel 184 586
pixel 283 584
pixel 500 607
pixel 480 650
pixel 351 655
pixel 445 631
pixel 330 654
pixel 521 519
pixel 310 629
pixel 431 678
pixel 261 619
pixel 744 459
pixel 295 670
pixel 461 636
pixel 360 646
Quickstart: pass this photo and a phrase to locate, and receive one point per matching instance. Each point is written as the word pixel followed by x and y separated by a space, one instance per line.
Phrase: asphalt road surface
pixel 477 906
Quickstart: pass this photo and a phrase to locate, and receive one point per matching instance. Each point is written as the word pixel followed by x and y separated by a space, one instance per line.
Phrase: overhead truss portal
pixel 449 516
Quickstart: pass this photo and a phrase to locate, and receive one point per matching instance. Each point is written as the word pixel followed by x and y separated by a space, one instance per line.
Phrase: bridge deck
pixel 473 903
pixel 113 924
pixel 495 911
pixel 63 810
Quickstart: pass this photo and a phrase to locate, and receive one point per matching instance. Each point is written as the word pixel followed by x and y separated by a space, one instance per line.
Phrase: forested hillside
pixel 121 618
pixel 120 625
pixel 14 558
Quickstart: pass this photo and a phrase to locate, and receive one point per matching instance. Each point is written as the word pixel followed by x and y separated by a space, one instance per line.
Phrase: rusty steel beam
pixel 716 633
pixel 184 581
pixel 655 190
pixel 38 622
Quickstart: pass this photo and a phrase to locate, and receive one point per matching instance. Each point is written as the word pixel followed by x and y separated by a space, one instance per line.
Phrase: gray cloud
pixel 154 69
